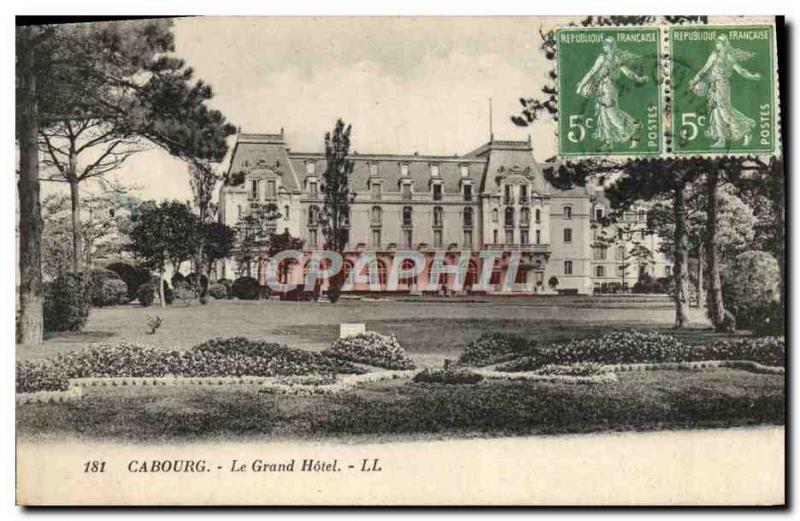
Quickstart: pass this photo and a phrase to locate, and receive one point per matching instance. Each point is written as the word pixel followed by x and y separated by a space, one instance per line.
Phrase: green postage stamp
pixel 723 97
pixel 609 86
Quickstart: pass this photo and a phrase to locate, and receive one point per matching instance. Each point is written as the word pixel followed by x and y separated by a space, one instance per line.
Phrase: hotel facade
pixel 489 209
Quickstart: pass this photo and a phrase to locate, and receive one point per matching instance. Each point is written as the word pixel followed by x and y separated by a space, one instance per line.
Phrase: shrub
pixel 584 369
pixel 492 348
pixel 153 323
pixel 146 294
pixel 245 288
pixel 177 279
pixel 40 375
pixel 199 282
pixel 133 276
pixel 751 288
pixel 371 348
pixel 67 301
pixel 228 283
pixel 184 293
pixel 218 291
pixel 110 292
pixel 764 350
pixel 97 277
pixel 553 282
pixel 447 375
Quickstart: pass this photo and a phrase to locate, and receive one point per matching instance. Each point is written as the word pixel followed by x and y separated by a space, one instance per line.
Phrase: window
pixel 407 238
pixel 599 253
pixel 598 214
pixel 467 217
pixel 509 217
pixel 524 237
pixel 468 193
pixel 523 194
pixel 437 216
pixel 620 252
pixel 376 215
pixel 667 270
pixel 312 237
pixel 601 271
pixel 254 189
pixel 285 213
pixel 464 171
pixel 621 271
pixel 568 212
pixel 538 236
pixel 238 210
pixel 311 167
pixel 437 192
pixel 525 217
pixel 407 216
pixel 376 190
pixel 312 189
pixel 507 194
pixel 404 169
pixel 373 169
pixel 468 238
pixel 270 188
pixel 437 238
pixel 495 215
pixel 567 234
pixel 509 236
pixel 494 237
pixel 313 215
pixel 538 215
pixel 567 267
pixel 406 192
pixel 642 215
pixel 434 170
pixel 376 238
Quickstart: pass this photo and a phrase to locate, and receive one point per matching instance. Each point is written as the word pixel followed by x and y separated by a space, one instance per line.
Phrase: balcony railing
pixel 535 248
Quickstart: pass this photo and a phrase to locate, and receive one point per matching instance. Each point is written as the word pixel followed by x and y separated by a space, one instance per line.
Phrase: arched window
pixel 467 217
pixel 407 215
pixel 509 216
pixel 438 216
pixel 495 215
pixel 381 273
pixel 568 267
pixel 538 215
pixel 376 215
pixel 568 212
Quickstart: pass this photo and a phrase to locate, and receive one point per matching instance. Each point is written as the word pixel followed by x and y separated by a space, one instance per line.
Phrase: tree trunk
pixel 715 305
pixel 30 214
pixel 77 232
pixel 701 259
pixel 161 289
pixel 681 269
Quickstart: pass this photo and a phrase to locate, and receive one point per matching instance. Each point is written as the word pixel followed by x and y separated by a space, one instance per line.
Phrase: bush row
pixel 447 375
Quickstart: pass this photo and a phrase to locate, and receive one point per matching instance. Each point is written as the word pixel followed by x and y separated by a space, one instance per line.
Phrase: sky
pixel 405 84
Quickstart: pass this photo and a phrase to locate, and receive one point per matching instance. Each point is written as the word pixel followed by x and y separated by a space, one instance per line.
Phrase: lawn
pixel 650 400
pixel 430 330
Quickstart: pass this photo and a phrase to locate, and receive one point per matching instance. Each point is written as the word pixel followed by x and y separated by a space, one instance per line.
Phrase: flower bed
pixel 584 369
pixel 493 348
pixel 648 348
pixel 373 349
pixel 216 358
pixel 448 375
pixel 536 376
pixel 307 386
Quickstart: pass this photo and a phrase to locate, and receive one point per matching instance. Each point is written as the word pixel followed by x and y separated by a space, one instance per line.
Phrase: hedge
pixel 67 302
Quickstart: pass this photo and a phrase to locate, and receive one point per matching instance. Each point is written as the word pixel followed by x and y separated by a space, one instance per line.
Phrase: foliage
pixel 218 242
pixel 447 375
pixel 491 348
pixel 765 350
pixel 169 293
pixel 111 292
pixel 67 301
pixel 553 282
pixel 253 233
pixel 371 348
pixel 177 279
pixel 133 276
pixel 751 288
pixel 146 294
pixel 40 375
pixel 581 369
pixel 153 323
pixel 246 288
pixel 228 283
pixel 198 281
pixel 165 232
pixel 218 291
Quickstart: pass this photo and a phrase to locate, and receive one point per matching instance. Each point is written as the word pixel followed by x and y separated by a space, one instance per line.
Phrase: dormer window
pixel 311 167
pixel 434 170
pixel 404 169
pixel 271 188
pixel 437 192
pixel 464 171
pixel 467 192
pixel 312 188
pixel 523 194
pixel 373 169
pixel 254 189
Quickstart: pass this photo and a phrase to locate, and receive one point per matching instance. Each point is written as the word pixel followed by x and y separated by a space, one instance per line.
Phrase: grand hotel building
pixel 492 198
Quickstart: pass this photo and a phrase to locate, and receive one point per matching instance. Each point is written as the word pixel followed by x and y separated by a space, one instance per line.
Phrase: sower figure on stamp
pixel 613 125
pixel 713 80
